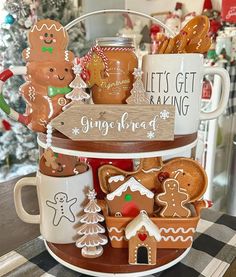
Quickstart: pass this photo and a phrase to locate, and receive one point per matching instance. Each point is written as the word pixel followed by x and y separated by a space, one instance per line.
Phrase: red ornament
pixel 207 5
pixel 154 29
pixel 162 176
pixel 206 90
pixel 142 236
pixel 6 125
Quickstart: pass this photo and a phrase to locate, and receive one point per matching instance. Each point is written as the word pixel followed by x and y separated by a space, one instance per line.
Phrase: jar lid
pixel 115 41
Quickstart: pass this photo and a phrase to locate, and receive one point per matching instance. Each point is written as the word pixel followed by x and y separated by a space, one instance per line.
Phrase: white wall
pixel 152 6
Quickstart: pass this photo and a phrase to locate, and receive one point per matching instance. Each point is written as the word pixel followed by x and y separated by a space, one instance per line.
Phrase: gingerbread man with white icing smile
pixel 173 199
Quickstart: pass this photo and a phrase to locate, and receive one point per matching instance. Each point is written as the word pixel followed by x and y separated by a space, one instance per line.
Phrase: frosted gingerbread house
pixel 143 236
pixel 130 198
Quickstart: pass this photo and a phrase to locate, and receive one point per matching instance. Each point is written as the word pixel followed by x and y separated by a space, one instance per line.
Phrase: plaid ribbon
pixel 213 250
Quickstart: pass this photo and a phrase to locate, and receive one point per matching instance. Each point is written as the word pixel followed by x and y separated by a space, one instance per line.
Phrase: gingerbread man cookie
pixel 45 90
pixel 50 159
pixel 60 165
pixel 48 40
pixel 173 199
pixel 62 207
pixel 96 68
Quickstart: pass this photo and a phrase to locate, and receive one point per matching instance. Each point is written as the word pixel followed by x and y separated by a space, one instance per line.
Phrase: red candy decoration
pixel 85 75
pixel 162 176
pixel 6 125
pixel 142 237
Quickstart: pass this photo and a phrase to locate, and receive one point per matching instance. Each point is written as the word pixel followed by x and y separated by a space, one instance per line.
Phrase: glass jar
pixel 117 78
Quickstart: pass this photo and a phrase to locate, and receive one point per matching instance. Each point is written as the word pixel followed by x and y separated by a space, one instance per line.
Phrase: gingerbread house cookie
pixel 130 198
pixel 143 235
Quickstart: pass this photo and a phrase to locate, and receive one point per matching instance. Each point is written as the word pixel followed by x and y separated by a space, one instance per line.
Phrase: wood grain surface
pixel 112 260
pixel 117 122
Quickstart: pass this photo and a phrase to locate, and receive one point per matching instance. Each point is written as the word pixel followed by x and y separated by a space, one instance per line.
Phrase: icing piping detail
pixel 48 28
pixel 175 231
pixel 50 106
pixel 133 185
pixel 116 238
pixel 174 239
pixel 116 178
pixel 116 230
pixel 32 93
pixel 27 53
pixel 67 55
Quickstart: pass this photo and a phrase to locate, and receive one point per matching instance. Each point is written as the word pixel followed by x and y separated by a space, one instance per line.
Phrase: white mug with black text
pixel 177 79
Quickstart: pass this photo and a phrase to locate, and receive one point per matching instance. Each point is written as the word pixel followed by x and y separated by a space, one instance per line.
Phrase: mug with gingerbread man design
pixel 61 199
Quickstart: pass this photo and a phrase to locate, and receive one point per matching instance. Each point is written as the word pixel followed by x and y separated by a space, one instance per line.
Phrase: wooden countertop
pixel 13 231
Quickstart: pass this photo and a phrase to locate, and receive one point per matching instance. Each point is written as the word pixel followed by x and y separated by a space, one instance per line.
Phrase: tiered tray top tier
pixel 121 149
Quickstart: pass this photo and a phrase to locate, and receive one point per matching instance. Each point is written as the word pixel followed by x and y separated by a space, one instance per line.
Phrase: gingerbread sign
pixel 173 200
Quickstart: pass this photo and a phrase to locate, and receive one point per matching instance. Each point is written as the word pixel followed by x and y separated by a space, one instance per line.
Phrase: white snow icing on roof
pixel 138 222
pixel 133 185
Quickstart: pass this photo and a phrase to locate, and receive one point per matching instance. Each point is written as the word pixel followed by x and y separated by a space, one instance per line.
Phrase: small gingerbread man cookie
pixel 173 199
pixel 96 68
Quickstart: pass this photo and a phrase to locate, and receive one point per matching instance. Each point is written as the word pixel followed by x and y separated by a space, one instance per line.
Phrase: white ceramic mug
pixel 177 79
pixel 61 200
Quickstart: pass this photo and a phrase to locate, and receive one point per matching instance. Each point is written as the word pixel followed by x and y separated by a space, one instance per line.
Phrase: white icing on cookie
pixel 116 178
pixel 116 238
pixel 31 93
pixel 27 53
pixel 67 55
pixel 53 26
pixel 116 230
pixel 133 185
pixel 174 239
pixel 175 231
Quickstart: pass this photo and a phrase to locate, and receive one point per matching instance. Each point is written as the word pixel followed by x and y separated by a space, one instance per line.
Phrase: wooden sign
pixel 117 122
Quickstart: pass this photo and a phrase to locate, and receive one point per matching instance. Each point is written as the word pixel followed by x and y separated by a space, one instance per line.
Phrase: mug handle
pixel 224 94
pixel 4 76
pixel 21 212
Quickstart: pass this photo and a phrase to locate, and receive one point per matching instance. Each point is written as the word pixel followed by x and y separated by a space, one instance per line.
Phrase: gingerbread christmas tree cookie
pixel 92 239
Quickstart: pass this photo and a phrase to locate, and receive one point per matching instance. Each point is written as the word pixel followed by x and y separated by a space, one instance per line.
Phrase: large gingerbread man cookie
pixel 173 200
pixel 48 41
pixel 45 90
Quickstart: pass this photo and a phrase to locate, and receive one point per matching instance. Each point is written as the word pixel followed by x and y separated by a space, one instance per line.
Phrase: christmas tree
pixel 20 147
pixel 78 94
pixel 138 95
pixel 91 230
